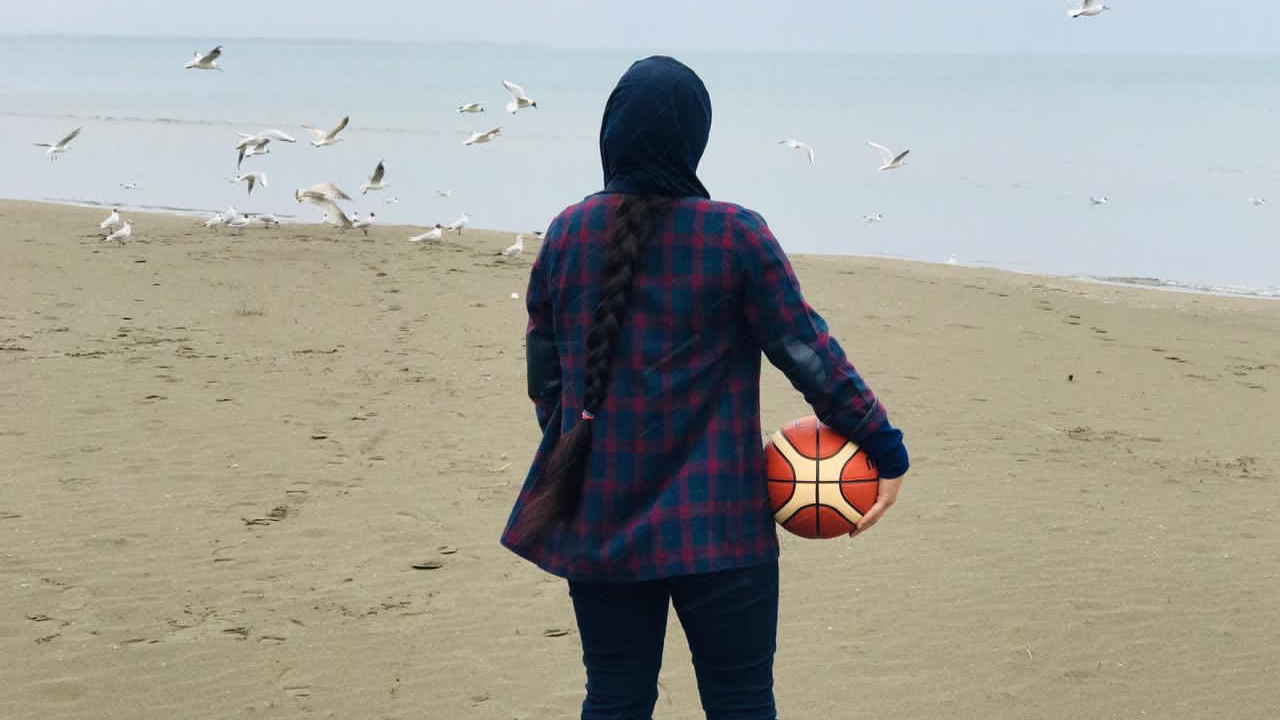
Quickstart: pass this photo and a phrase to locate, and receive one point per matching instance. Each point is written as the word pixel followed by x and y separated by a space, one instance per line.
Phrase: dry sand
pixel 222 455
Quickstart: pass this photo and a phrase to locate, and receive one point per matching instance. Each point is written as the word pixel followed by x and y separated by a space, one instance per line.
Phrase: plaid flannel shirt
pixel 675 482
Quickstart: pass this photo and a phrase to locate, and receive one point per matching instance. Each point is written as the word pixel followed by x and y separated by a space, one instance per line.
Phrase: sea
pixel 1006 150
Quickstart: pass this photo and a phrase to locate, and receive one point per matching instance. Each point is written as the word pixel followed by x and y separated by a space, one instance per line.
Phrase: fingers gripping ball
pixel 820 484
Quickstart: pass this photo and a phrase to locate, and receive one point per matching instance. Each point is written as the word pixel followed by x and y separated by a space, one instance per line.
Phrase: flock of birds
pixel 323 195
pixel 326 195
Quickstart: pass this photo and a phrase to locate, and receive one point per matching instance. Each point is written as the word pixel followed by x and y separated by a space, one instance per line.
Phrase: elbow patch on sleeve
pixel 543 366
pixel 800 363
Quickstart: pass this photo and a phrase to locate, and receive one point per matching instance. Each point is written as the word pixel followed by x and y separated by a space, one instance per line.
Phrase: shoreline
pixel 1164 285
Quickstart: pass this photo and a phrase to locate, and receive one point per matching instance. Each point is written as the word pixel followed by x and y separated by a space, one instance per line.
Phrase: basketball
pixel 820 484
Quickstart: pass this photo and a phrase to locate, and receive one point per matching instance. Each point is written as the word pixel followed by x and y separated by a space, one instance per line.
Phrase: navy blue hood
pixel 654 131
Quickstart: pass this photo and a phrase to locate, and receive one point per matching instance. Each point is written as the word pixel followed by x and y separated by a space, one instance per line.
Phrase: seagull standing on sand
pixel 122 234
pixel 475 107
pixel 362 225
pixel 112 221
pixel 328 137
pixel 891 161
pixel 323 195
pixel 519 98
pixel 214 222
pixel 1088 8
pixel 240 222
pixel 56 149
pixel 482 137
pixel 797 145
pixel 514 250
pixel 431 235
pixel 460 223
pixel 257 176
pixel 207 61
pixel 375 180
pixel 1099 200
pixel 267 219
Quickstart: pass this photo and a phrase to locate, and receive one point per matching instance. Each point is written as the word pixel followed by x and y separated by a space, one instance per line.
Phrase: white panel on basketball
pixel 817 482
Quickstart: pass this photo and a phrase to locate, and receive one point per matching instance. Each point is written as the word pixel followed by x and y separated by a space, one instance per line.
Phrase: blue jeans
pixel 730 619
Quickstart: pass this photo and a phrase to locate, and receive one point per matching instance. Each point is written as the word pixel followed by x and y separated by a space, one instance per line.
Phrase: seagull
pixel 431 235
pixel 257 176
pixel 214 222
pixel 328 137
pixel 891 161
pixel 1099 200
pixel 56 149
pixel 953 260
pixel 1088 8
pixel 239 222
pixel 514 250
pixel 797 145
pixel 208 61
pixel 364 224
pixel 375 180
pixel 519 98
pixel 1258 201
pixel 445 193
pixel 460 223
pixel 267 219
pixel 475 107
pixel 128 185
pixel 320 191
pixel 112 221
pixel 251 145
pixel 392 200
pixel 122 234
pixel 231 214
pixel 482 137
pixel 323 195
pixel 873 218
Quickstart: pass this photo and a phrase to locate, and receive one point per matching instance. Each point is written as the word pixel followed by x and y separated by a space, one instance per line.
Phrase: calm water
pixel 1006 150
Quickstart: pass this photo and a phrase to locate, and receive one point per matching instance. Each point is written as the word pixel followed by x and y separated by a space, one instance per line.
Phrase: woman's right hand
pixel 886 496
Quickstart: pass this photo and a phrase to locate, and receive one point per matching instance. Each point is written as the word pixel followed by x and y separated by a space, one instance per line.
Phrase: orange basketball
pixel 820 484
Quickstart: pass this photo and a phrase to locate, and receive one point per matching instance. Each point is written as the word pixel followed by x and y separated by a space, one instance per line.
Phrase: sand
pixel 223 455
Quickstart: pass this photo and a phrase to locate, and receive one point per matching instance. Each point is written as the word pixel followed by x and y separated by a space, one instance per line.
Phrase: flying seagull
pixel 323 195
pixel 1088 8
pixel 891 161
pixel 375 180
pixel 797 145
pixel 519 98
pixel 328 137
pixel 482 137
pixel 207 61
pixel 251 145
pixel 256 176
pixel 474 107
pixel 56 149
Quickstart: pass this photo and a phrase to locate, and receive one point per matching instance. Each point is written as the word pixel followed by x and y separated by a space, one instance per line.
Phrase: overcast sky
pixel 1172 26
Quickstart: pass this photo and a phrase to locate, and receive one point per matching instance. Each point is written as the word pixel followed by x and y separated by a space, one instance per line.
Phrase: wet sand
pixel 223 454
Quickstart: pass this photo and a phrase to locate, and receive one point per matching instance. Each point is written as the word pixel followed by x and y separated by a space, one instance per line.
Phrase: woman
pixel 649 306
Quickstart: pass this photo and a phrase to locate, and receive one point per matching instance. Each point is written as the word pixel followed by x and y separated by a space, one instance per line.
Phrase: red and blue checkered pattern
pixel 675 482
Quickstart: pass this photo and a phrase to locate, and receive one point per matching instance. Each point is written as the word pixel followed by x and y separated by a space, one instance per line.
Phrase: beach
pixel 223 455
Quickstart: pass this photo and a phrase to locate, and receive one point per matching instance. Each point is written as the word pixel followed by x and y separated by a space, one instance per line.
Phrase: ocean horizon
pixel 1006 150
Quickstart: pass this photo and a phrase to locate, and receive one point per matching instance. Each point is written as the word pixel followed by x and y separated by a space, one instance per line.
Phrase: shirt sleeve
pixel 542 358
pixel 797 341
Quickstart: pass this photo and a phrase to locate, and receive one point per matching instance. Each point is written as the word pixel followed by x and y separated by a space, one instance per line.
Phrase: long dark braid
pixel 558 490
